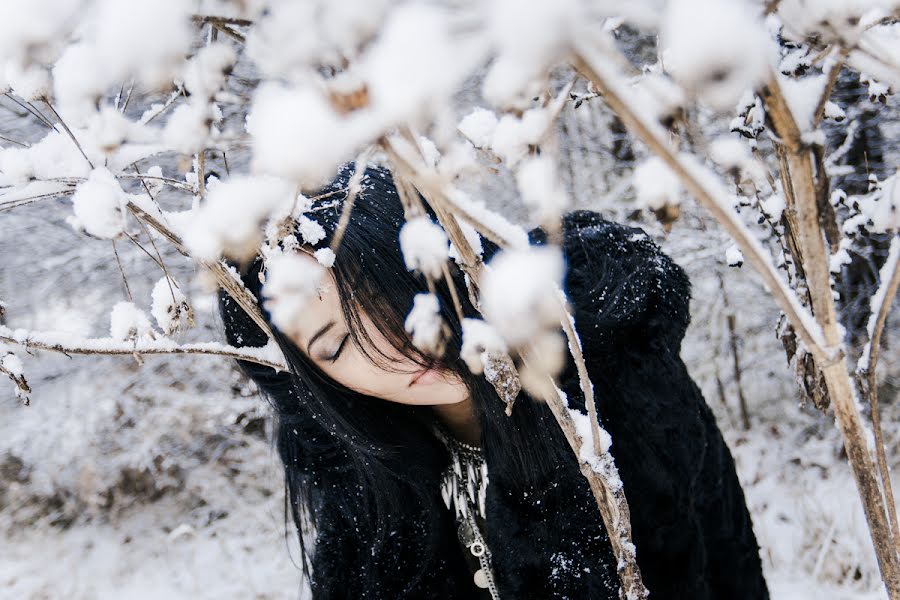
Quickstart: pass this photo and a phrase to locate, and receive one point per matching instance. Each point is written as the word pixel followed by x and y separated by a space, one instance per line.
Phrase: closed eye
pixel 340 348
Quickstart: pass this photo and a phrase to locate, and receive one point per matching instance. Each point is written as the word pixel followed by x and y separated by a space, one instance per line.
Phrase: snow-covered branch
pixel 64 343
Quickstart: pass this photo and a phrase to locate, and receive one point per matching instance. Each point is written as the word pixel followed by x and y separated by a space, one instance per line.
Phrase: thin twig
pixel 239 37
pixel 10 204
pixel 68 131
pixel 883 299
pixel 128 97
pixel 147 252
pixel 201 173
pixel 454 296
pixel 832 76
pixel 122 271
pixel 223 275
pixel 353 187
pixel 56 343
pixel 611 501
pixel 159 260
pixel 37 114
pixel 12 141
pixel 221 20
pixel 171 100
pixel 167 180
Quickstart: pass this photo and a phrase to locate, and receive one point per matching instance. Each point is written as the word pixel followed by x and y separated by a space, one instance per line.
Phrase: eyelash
pixel 340 348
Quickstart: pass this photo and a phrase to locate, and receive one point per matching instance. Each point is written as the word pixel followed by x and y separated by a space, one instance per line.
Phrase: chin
pixel 435 395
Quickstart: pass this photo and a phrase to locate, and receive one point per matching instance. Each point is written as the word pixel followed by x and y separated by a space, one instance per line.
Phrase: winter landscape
pixel 144 143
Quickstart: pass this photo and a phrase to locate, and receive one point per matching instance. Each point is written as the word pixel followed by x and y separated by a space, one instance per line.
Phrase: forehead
pixel 320 309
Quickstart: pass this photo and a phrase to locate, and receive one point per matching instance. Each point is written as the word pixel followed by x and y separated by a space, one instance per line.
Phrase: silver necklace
pixel 464 487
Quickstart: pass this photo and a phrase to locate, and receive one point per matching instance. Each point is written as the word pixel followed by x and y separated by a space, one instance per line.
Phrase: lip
pixel 417 376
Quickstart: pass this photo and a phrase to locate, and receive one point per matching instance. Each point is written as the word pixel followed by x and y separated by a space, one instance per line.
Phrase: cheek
pixel 357 373
pixel 443 391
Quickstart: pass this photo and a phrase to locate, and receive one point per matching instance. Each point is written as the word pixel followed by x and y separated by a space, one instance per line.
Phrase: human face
pixel 323 336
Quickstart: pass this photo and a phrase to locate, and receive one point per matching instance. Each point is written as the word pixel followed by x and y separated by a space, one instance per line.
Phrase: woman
pixel 373 433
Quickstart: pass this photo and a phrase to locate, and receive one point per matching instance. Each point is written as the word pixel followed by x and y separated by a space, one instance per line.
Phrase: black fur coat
pixel 690 522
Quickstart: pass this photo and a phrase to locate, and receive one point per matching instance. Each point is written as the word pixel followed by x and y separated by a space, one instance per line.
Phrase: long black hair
pixel 377 463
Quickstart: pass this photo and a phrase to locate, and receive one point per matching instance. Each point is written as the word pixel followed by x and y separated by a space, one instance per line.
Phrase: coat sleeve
pixel 631 302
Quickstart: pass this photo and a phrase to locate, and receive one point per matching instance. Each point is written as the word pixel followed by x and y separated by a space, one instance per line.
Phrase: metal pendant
pixel 481 579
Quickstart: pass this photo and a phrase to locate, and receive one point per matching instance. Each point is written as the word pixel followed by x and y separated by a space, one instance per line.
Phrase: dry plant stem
pixel 352 191
pixel 587 386
pixel 143 178
pixel 613 505
pixel 229 32
pixel 736 364
pixel 21 383
pixel 451 285
pixel 612 502
pixel 32 340
pixel 223 276
pixel 127 97
pixel 11 204
pixel 172 98
pixel 221 20
pixel 201 173
pixel 159 259
pixel 36 113
pixel 122 271
pixel 68 131
pixel 829 85
pixel 835 372
pixel 826 347
pixel 12 141
pixel 731 322
pixel 789 216
pixel 471 263
pixel 147 252
pixel 657 141
pixel 871 388
pixel 429 182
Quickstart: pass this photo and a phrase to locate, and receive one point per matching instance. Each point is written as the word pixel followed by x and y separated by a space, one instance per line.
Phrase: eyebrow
pixel 318 334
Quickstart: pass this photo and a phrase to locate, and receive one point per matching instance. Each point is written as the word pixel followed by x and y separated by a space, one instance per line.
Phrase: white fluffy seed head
pixel 230 221
pixel 541 189
pixel 544 357
pixel 883 207
pixel 99 205
pixel 424 245
pixel 291 282
pixel 127 322
pixel 716 49
pixel 655 184
pixel 479 340
pixel 518 292
pixel 169 306
pixel 424 323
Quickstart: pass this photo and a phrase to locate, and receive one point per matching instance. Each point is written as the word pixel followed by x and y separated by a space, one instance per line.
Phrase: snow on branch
pixel 269 355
